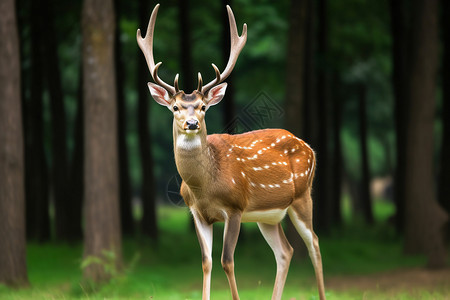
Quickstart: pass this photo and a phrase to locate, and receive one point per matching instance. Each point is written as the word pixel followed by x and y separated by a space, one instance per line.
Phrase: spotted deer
pixel 258 176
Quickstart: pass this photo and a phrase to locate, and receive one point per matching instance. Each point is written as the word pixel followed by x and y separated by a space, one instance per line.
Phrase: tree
pixel 187 76
pixel 322 208
pixel 13 269
pixel 67 214
pixel 149 221
pixel 36 167
pixel 102 228
pixel 365 201
pixel 126 215
pixel 444 187
pixel 228 101
pixel 400 52
pixel 294 105
pixel 424 218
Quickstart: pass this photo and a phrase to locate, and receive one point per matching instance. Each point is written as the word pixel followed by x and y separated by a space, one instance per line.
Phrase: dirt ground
pixel 395 281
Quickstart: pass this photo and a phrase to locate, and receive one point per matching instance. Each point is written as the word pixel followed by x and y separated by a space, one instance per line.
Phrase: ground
pixel 359 263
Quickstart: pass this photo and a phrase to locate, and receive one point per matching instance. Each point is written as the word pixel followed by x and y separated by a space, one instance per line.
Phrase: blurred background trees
pixel 361 81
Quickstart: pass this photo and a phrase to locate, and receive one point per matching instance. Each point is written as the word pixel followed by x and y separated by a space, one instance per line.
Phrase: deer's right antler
pixel 146 45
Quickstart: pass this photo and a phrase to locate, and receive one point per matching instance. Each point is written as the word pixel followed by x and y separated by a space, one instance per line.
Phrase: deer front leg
pixel 205 238
pixel 230 237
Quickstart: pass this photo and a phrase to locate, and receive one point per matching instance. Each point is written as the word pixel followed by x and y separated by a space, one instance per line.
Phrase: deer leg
pixel 230 237
pixel 205 238
pixel 302 220
pixel 274 236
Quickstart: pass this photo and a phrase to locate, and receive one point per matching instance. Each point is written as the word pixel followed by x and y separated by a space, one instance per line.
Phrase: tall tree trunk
pixel 364 197
pixel 36 169
pixel 400 53
pixel 310 123
pixel 59 169
pixel 294 90
pixel 444 186
pixel 336 184
pixel 149 221
pixel 424 218
pixel 322 208
pixel 102 228
pixel 228 101
pixel 77 162
pixel 187 75
pixel 13 269
pixel 126 216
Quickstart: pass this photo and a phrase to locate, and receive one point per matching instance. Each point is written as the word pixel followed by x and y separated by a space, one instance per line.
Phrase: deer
pixel 259 176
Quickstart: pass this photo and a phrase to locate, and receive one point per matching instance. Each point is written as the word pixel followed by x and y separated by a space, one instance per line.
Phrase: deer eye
pixel 175 108
pixel 204 107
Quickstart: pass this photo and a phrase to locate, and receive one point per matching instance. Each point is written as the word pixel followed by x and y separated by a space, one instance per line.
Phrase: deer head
pixel 189 109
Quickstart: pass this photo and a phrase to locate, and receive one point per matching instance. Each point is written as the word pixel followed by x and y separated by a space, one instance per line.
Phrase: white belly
pixel 273 216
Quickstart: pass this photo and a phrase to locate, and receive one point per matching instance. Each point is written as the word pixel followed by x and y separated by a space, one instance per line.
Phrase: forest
pixel 90 203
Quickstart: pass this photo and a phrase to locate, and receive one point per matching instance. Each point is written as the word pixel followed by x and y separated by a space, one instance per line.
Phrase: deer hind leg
pixel 300 213
pixel 230 237
pixel 205 238
pixel 274 236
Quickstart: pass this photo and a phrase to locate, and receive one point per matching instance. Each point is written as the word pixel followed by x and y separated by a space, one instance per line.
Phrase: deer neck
pixel 193 157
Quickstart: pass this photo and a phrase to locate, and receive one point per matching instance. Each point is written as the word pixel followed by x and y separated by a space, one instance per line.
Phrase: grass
pixel 172 268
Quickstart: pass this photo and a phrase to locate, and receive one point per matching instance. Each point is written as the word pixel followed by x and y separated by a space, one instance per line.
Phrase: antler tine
pixel 237 43
pixel 200 82
pixel 175 84
pixel 146 45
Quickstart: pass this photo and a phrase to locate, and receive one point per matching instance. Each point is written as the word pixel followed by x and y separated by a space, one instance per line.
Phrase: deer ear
pixel 216 94
pixel 159 93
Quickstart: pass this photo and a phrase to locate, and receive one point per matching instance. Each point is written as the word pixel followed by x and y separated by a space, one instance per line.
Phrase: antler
pixel 146 45
pixel 237 43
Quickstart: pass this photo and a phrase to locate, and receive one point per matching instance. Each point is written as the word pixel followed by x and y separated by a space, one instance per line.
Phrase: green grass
pixel 172 268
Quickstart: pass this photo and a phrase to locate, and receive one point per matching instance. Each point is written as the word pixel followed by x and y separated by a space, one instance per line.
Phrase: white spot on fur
pixel 273 144
pixel 243 174
pixel 297 160
pixel 266 167
pixel 232 180
pixel 262 185
pixel 259 151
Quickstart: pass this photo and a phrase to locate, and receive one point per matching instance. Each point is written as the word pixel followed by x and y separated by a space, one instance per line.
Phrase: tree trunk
pixel 310 123
pixel 322 208
pixel 149 221
pixel 77 162
pixel 336 191
pixel 102 228
pixel 59 165
pixel 294 91
pixel 13 269
pixel 228 101
pixel 126 216
pixel 187 75
pixel 444 186
pixel 364 197
pixel 36 169
pixel 400 53
pixel 424 218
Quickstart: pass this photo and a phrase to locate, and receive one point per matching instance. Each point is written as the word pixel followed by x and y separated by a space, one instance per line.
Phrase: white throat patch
pixel 188 141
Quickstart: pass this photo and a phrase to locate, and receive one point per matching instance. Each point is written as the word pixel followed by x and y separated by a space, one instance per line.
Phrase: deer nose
pixel 192 124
